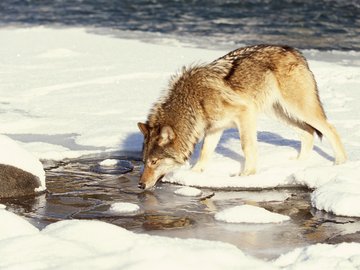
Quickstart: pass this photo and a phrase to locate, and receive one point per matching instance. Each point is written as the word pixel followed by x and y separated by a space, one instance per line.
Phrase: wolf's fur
pixel 204 100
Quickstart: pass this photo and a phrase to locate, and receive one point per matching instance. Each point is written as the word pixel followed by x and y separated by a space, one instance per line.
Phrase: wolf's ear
pixel 167 135
pixel 144 128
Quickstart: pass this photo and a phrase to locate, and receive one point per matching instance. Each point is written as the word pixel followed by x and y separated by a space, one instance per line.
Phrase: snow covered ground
pixel 67 92
pixel 81 244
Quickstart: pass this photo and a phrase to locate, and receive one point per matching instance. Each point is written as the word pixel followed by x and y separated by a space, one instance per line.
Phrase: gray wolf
pixel 204 100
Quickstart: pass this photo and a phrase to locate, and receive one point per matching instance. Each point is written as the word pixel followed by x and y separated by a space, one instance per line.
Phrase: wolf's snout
pixel 141 185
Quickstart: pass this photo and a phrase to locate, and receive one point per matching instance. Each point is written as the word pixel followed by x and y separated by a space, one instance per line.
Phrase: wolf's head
pixel 159 154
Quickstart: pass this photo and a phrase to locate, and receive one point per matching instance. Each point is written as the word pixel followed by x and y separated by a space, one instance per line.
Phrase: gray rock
pixel 15 182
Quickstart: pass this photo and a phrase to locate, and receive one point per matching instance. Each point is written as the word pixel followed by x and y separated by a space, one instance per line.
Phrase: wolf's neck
pixel 189 131
pixel 186 120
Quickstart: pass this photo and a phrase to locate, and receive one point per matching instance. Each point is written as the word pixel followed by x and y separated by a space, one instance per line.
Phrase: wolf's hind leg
pixel 307 142
pixel 315 117
pixel 210 142
pixel 305 131
pixel 330 132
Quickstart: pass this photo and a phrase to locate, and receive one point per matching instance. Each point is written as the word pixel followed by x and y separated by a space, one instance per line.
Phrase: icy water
pixel 82 189
pixel 306 24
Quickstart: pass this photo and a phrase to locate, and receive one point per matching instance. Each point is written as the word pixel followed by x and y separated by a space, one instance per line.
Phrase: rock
pixel 21 173
pixel 15 182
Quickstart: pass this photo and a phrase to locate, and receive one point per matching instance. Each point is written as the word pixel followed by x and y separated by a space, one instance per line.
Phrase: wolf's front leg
pixel 248 136
pixel 210 142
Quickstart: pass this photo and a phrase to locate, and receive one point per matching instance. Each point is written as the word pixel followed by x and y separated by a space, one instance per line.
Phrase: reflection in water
pixel 82 189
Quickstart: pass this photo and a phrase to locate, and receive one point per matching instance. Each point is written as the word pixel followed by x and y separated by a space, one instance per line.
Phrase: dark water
pixel 81 189
pixel 308 24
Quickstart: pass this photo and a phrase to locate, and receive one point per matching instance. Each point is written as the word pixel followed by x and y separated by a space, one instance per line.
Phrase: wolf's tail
pixel 318 133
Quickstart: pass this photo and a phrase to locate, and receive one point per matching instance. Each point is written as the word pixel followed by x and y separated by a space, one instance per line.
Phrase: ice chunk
pixel 249 214
pixel 188 191
pixel 108 162
pixel 124 208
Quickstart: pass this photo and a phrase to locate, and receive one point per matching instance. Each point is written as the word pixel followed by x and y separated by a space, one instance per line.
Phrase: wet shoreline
pixel 82 189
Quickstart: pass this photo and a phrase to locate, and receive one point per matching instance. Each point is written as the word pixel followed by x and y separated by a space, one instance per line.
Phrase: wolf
pixel 204 100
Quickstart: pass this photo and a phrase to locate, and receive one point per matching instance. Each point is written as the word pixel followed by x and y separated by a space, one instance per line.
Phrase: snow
pixel 12 225
pixel 13 154
pixel 322 256
pixel 124 207
pixel 62 98
pixel 340 196
pixel 81 244
pixel 108 162
pixel 84 244
pixel 88 99
pixel 188 191
pixel 249 214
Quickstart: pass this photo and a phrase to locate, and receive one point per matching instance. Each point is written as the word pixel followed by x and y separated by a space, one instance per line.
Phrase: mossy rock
pixel 15 182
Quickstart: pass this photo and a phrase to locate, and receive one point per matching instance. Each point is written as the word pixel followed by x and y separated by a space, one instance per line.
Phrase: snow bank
pixel 12 154
pixel 340 196
pixel 249 214
pixel 12 225
pixel 97 245
pixel 188 191
pixel 82 244
pixel 322 256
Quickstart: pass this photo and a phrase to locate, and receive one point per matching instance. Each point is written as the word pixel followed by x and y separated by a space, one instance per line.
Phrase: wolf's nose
pixel 141 185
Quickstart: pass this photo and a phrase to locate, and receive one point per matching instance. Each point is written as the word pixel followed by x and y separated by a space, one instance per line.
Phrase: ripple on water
pixel 165 222
pixel 120 167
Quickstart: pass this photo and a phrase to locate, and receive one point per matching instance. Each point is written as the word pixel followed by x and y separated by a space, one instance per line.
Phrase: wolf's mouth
pixel 143 185
pixel 161 177
pixel 156 183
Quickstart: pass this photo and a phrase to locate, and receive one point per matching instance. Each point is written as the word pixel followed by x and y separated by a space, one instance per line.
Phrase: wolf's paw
pixel 298 158
pixel 197 168
pixel 340 160
pixel 248 172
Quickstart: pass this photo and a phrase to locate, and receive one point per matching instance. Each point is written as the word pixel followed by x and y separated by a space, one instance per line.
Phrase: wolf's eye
pixel 154 161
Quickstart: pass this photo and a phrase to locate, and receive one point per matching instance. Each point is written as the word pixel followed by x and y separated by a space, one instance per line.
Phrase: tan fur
pixel 231 92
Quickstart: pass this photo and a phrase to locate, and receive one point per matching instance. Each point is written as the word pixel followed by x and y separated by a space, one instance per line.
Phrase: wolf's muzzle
pixel 141 185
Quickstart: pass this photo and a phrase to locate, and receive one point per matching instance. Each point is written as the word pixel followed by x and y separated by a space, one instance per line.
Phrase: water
pixel 80 189
pixel 322 24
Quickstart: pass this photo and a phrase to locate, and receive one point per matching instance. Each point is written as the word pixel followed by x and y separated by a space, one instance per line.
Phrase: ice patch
pixel 124 208
pixel 249 214
pixel 264 196
pixel 108 162
pixel 188 191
